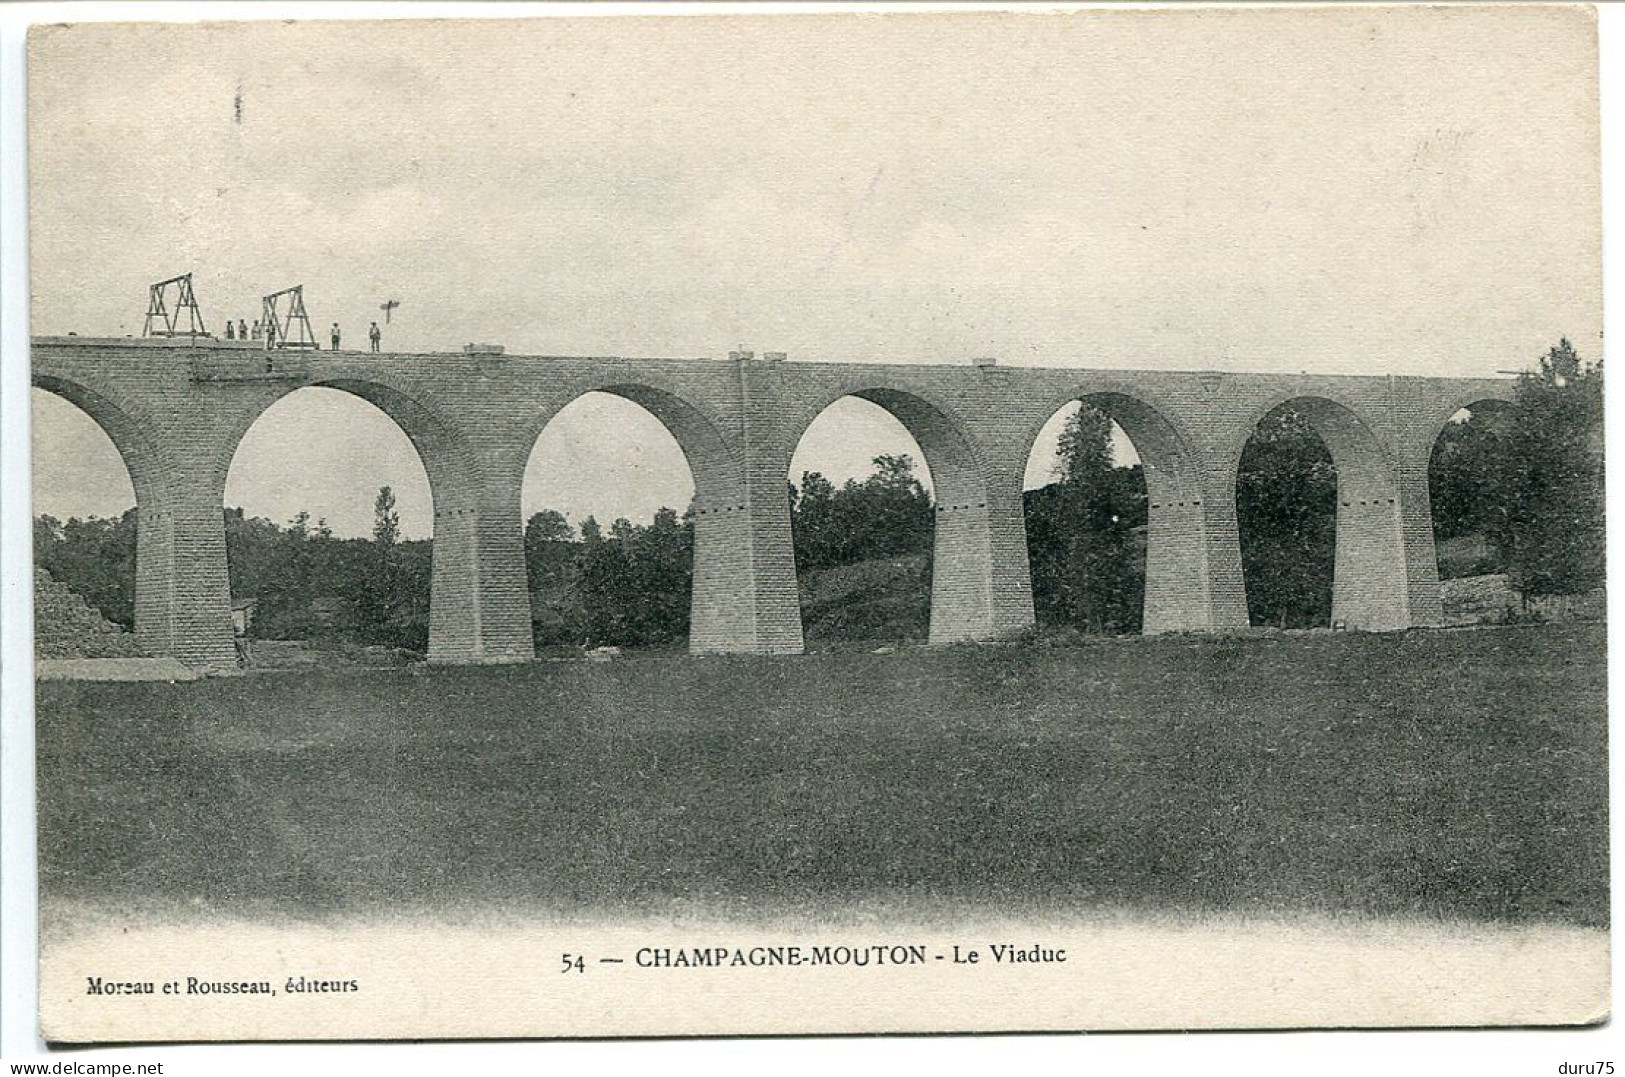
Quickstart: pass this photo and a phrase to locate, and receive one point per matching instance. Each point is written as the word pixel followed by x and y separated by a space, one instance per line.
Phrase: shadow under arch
pixel 154 607
pixel 1462 500
pixel 720 598
pixel 1174 588
pixel 978 591
pixel 1369 585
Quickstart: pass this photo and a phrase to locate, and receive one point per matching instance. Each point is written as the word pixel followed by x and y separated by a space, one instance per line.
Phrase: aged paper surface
pixel 471 802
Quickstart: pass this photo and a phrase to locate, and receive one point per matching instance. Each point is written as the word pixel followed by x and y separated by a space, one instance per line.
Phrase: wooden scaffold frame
pixel 169 321
pixel 289 328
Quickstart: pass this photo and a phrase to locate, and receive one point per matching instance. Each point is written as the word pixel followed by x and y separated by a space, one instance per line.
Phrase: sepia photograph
pixel 818 523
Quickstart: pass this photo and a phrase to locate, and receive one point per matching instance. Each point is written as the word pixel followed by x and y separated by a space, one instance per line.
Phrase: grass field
pixel 1435 774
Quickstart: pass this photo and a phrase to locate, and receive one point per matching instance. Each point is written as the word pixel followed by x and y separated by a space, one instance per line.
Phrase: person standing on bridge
pixel 257 330
pixel 375 335
pixel 335 336
pixel 231 329
pixel 242 329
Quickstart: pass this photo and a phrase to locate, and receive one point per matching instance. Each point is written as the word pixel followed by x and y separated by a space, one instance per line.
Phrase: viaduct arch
pixel 1177 597
pixel 177 412
pixel 1369 589
pixel 154 614
pixel 716 601
pixel 455 632
pixel 966 559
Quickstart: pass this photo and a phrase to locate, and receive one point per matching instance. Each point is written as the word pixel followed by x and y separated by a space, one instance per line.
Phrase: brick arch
pixel 135 444
pixel 443 450
pixel 976 593
pixel 458 625
pixel 1136 403
pixel 958 473
pixel 1369 584
pixel 1437 420
pixel 1176 565
pixel 1438 417
pixel 142 455
pixel 713 460
pixel 959 470
pixel 932 421
pixel 721 598
pixel 444 453
pixel 1365 465
pixel 459 629
pixel 1345 426
pixel 1425 435
pixel 1432 431
pixel 1172 467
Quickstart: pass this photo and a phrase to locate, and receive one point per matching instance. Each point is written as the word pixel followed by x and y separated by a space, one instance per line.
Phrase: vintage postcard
pixel 846 522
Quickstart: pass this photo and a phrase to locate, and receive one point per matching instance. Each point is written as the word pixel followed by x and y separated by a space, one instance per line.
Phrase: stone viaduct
pixel 177 412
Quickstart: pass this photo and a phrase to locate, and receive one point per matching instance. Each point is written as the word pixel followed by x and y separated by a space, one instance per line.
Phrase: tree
pixel 551 557
pixel 1550 526
pixel 1084 455
pixel 812 522
pixel 662 563
pixel 888 514
pixel 633 584
pixel 386 523
pixel 882 524
pixel 548 525
pixel 94 558
pixel 1084 533
pixel 1286 508
pixel 1463 474
pixel 1560 365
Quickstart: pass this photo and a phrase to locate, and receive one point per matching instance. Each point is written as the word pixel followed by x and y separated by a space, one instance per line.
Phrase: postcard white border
pixel 1522 1052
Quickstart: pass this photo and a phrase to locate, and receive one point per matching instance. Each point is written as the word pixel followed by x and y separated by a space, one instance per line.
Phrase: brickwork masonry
pixel 178 413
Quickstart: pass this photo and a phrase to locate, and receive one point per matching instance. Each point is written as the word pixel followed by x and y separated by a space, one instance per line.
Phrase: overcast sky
pixel 1364 191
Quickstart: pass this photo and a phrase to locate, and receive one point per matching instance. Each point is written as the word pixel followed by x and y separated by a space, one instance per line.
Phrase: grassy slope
pixel 1457 774
pixel 884 599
